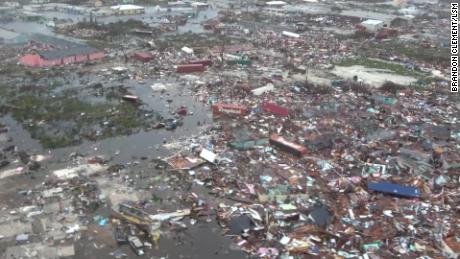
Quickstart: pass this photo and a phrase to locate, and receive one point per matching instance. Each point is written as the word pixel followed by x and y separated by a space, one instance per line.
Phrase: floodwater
pixel 141 143
pixel 152 17
pixel 28 27
pixel 151 142
pixel 203 240
pixel 200 241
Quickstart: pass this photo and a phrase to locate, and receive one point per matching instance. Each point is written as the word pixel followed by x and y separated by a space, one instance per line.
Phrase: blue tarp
pixel 394 189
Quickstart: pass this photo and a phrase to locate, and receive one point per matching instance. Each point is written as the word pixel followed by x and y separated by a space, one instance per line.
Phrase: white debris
pixel 263 89
pixel 208 155
pixel 86 169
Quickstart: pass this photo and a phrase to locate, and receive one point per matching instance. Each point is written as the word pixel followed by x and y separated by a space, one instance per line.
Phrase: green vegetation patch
pixel 410 50
pixel 66 120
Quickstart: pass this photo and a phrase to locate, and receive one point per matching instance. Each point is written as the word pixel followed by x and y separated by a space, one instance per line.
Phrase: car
pixel 120 235
pixel 170 124
pixel 136 245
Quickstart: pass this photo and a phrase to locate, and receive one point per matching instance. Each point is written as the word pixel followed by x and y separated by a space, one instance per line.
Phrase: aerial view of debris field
pixel 229 129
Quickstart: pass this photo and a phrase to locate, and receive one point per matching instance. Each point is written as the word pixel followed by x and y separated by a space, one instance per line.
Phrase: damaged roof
pixel 62 53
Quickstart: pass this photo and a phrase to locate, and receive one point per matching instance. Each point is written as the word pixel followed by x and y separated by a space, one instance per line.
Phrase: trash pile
pixel 344 174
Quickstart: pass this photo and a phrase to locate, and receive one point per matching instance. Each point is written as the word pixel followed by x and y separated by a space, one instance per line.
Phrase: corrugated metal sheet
pixel 62 53
pixel 53 41
pixel 190 68
pixel 143 56
pixel 229 109
pixel 98 55
pixel 275 109
pixel 204 62
pixel 290 147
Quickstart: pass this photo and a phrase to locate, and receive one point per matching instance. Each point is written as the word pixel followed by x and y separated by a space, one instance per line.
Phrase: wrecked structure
pixel 49 51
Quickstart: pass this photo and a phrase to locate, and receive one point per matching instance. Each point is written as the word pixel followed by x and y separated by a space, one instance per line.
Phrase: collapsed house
pixel 48 51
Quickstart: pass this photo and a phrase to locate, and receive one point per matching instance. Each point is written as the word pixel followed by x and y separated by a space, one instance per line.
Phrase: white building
pixel 127 9
pixel 276 3
pixel 199 5
pixel 40 1
pixel 290 34
pixel 373 25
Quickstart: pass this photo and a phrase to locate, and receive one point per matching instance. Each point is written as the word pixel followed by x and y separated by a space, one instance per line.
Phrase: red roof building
pixel 275 109
pixel 38 60
pixel 143 56
pixel 190 68
pixel 55 51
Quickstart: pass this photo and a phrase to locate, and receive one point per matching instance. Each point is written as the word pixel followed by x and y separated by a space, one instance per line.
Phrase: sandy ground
pixel 372 76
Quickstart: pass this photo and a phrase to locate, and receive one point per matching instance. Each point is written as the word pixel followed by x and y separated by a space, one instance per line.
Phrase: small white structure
pixel 208 155
pixel 187 50
pixel 261 90
pixel 177 3
pixel 127 9
pixel 275 3
pixel 399 3
pixel 290 34
pixel 373 25
pixel 411 10
pixel 199 5
pixel 40 1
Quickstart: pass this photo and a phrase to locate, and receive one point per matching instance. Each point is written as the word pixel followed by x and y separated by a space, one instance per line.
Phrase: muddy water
pixel 151 143
pixel 202 240
pixel 28 27
pixel 151 17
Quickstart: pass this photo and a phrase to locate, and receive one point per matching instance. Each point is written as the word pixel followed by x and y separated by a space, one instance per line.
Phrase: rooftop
pixel 126 7
pixel 53 41
pixel 276 3
pixel 372 22
pixel 64 48
pixel 62 53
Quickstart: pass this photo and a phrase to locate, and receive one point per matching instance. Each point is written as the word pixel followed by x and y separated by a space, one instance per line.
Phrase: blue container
pixel 394 189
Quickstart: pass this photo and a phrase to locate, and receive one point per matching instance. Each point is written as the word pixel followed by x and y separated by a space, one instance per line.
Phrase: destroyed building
pixel 54 51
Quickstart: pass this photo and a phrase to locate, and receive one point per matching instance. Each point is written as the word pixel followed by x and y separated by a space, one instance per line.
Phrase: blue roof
pixel 394 189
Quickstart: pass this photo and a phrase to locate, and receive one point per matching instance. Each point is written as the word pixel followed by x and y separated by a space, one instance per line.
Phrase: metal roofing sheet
pixel 394 189
pixel 62 53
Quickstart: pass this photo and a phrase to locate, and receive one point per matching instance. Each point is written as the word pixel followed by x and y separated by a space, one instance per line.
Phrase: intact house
pixel 49 51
